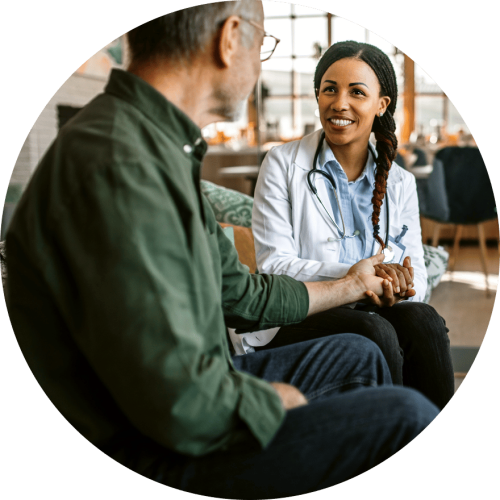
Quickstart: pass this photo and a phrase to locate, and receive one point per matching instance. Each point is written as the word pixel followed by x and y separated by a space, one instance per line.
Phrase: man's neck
pixel 188 88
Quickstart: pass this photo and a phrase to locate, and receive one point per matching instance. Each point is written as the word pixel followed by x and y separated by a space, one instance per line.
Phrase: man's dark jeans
pixel 355 420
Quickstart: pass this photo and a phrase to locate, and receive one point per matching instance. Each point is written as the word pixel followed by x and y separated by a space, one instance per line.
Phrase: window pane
pixel 277 64
pixel 305 68
pixel 380 42
pixel 455 120
pixel 429 114
pixel 278 116
pixel 307 33
pixel 300 10
pixel 276 8
pixel 307 121
pixel 277 82
pixel 282 29
pixel 423 82
pixel 345 30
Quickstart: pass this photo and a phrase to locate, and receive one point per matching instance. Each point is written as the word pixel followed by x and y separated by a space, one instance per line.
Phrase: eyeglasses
pixel 269 43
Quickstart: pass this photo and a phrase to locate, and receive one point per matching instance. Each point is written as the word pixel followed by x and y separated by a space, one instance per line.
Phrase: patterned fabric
pixel 436 262
pixel 236 208
pixel 228 205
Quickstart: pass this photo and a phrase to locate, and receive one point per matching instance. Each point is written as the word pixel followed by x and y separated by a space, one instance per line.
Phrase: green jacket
pixel 121 283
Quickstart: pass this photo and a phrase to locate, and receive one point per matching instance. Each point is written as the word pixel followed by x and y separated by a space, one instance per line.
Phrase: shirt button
pixel 330 239
pixel 198 141
pixel 187 148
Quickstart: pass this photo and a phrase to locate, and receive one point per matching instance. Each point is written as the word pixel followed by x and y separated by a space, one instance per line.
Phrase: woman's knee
pixel 422 319
pixel 374 326
pixel 417 312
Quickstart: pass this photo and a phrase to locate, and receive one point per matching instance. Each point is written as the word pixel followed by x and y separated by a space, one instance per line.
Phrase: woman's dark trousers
pixel 411 335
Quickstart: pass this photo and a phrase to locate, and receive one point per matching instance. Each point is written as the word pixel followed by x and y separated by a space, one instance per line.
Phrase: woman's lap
pixel 411 335
pixel 423 336
pixel 346 320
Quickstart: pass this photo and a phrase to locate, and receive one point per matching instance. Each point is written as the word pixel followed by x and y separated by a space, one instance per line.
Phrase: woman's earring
pixel 381 114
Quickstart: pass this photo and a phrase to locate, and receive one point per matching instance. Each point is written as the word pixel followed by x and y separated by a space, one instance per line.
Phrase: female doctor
pixel 327 201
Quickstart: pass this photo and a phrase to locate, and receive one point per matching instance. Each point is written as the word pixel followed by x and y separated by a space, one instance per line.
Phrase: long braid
pixel 386 146
pixel 384 130
pixel 383 127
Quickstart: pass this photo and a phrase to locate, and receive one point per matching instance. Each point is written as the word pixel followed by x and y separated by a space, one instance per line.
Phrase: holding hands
pixel 384 284
pixel 398 283
pixel 369 280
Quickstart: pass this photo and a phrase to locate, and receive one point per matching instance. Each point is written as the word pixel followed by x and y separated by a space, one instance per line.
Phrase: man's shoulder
pixel 107 133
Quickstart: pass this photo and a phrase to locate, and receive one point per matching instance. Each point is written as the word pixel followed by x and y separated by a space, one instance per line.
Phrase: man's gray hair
pixel 182 34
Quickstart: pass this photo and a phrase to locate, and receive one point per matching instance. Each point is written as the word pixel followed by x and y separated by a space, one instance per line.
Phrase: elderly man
pixel 121 285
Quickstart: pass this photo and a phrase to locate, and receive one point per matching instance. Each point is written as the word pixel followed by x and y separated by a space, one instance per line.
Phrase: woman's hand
pixel 400 276
pixel 397 285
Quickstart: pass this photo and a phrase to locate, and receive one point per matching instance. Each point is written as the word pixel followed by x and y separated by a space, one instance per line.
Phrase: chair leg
pixel 456 246
pixel 484 261
pixel 435 234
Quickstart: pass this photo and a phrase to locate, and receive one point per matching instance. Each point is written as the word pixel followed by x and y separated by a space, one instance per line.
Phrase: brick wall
pixel 78 90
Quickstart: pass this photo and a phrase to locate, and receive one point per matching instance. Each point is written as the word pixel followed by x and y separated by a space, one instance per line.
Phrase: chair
pixel 421 158
pixel 400 161
pixel 459 192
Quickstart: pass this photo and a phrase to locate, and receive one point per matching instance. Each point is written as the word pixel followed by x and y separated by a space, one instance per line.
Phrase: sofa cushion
pixel 228 205
pixel 436 262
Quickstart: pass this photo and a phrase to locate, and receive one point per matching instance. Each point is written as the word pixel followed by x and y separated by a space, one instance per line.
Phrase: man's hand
pixel 359 284
pixel 363 275
pixel 290 396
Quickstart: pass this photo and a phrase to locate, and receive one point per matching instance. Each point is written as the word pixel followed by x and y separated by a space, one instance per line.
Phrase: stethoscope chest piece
pixel 388 254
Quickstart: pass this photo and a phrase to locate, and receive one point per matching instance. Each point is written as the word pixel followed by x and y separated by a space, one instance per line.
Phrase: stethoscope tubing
pixel 312 187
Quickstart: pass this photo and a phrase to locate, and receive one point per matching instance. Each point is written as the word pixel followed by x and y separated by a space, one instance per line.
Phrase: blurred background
pixel 456 201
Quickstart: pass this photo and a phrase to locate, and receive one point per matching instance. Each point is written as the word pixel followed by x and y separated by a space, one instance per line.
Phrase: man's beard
pixel 226 107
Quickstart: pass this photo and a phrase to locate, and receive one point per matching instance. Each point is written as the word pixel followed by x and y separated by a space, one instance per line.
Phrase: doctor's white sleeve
pixel 272 225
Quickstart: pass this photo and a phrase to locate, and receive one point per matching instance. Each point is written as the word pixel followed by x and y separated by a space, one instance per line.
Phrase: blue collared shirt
pixel 355 198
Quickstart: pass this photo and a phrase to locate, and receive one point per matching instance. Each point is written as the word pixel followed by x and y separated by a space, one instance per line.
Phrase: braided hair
pixel 383 127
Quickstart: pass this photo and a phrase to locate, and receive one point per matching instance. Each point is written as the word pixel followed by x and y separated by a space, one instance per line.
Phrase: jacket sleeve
pixel 411 217
pixel 254 302
pixel 272 225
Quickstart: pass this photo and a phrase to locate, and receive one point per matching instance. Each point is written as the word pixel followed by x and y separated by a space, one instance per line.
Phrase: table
pixel 247 172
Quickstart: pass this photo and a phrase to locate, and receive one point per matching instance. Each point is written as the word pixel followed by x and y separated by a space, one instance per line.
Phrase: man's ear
pixel 229 41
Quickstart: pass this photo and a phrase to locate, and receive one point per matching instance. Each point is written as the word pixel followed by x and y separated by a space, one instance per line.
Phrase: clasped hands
pixel 386 284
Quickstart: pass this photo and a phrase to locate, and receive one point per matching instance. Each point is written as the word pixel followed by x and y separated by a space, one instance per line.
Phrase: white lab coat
pixel 291 229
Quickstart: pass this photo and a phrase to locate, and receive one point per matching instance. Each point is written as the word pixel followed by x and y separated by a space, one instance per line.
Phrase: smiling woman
pixel 318 227
pixel 347 109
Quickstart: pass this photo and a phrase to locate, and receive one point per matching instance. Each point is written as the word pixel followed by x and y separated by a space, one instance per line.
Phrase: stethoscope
pixel 387 251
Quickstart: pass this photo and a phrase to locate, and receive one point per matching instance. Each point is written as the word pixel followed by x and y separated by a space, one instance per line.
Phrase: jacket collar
pixel 154 106
pixel 308 144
